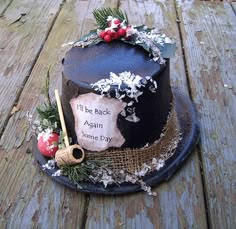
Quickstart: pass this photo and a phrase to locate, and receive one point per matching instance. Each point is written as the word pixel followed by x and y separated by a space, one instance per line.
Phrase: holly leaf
pixel 97 41
pixel 86 36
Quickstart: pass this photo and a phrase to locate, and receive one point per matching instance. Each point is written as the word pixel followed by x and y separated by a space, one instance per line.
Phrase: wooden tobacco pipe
pixel 72 154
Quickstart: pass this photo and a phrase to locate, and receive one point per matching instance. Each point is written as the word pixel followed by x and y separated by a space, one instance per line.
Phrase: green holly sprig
pixel 102 14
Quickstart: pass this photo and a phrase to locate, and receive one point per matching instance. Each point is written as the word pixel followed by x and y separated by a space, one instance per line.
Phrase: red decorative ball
pixel 122 32
pixel 48 144
pixel 102 34
pixel 107 38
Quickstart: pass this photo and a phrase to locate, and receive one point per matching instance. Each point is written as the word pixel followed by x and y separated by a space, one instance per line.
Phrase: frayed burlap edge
pixel 132 160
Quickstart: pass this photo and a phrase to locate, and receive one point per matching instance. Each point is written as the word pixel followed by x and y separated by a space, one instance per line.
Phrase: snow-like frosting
pixel 46 134
pixel 125 84
pixel 126 87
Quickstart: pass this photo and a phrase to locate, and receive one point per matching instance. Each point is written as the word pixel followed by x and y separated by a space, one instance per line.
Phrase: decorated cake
pixel 117 107
pixel 114 96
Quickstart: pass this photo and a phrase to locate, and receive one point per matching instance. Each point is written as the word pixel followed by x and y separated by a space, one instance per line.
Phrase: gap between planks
pixel 4 8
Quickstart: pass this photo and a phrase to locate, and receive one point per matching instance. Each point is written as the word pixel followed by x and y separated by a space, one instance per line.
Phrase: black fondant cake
pixel 127 124
pixel 84 67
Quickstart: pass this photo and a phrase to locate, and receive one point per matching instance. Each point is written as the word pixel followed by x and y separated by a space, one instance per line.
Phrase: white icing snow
pixel 50 165
pixel 58 173
pixel 124 84
pixel 132 118
pixel 127 87
pixel 46 134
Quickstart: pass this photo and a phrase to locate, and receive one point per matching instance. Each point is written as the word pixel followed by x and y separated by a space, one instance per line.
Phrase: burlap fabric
pixel 132 160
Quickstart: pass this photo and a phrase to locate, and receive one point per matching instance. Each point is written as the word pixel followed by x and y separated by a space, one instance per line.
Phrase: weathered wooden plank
pixel 28 197
pixel 3 6
pixel 30 200
pixel 234 6
pixel 179 202
pixel 209 35
pixel 20 46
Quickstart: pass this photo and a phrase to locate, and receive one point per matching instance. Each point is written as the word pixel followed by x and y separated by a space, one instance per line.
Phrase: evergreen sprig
pixel 49 117
pixel 46 86
pixel 48 113
pixel 102 14
pixel 82 172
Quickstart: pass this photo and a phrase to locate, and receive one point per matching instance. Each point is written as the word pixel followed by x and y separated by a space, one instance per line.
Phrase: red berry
pixel 48 144
pixel 110 32
pixel 116 36
pixel 102 34
pixel 117 21
pixel 107 38
pixel 122 32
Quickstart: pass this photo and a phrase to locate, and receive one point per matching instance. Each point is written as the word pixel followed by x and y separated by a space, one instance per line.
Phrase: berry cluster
pixel 115 30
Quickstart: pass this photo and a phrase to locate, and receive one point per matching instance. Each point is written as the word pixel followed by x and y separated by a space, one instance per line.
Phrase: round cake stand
pixel 189 128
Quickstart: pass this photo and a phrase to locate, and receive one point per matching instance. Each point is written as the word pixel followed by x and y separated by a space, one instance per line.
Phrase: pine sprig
pixel 48 114
pixel 82 172
pixel 49 117
pixel 46 87
pixel 102 14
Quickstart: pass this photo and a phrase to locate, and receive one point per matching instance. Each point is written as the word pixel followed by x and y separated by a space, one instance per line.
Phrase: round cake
pixel 114 96
pixel 126 124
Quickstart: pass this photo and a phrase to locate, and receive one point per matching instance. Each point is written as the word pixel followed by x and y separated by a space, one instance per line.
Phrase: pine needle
pixel 47 86
pixel 48 116
pixel 82 171
pixel 102 14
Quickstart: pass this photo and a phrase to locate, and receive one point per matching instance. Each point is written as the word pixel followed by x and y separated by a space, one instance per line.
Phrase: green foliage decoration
pixel 102 14
pixel 48 113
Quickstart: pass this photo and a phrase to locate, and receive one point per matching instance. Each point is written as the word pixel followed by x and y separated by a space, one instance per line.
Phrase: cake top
pixel 115 47
pixel 113 25
pixel 89 65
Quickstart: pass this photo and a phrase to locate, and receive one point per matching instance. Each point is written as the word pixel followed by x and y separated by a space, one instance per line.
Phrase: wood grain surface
pixel 4 4
pixel 209 36
pixel 24 27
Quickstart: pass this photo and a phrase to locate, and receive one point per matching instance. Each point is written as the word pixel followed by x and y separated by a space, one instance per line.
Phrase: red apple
pixel 48 143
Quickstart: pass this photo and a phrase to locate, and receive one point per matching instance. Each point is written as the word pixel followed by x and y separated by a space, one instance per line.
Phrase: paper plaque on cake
pixel 96 121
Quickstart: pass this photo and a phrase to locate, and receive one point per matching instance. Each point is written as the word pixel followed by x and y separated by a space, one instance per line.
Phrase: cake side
pixel 147 114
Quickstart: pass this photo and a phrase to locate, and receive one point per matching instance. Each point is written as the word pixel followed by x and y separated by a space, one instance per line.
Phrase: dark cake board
pixel 189 128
